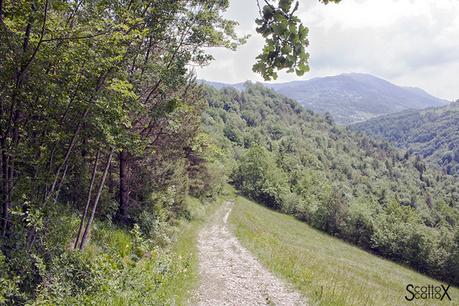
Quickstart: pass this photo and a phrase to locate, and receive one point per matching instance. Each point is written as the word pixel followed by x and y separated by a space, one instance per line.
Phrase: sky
pixel 407 42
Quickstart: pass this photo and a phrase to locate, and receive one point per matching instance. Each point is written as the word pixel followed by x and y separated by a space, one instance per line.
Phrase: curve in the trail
pixel 230 275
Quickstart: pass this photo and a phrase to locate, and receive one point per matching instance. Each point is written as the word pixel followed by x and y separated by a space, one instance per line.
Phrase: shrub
pixel 258 177
pixel 360 225
pixel 331 215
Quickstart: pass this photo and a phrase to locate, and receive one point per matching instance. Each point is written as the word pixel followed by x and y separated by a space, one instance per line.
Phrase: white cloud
pixel 409 42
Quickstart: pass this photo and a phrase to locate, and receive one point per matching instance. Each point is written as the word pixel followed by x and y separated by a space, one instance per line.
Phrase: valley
pixel 346 184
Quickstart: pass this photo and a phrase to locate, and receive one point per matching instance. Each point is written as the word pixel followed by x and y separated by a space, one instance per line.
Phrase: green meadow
pixel 325 269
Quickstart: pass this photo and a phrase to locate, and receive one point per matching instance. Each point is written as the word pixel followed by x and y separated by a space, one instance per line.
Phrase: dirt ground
pixel 230 275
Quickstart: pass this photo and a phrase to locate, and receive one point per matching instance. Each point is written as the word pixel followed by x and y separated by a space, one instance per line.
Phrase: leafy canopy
pixel 286 39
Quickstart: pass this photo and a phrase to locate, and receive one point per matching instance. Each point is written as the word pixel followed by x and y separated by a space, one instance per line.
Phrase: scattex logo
pixel 427 292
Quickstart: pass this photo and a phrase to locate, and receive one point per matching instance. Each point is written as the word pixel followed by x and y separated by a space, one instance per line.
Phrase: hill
pixel 352 97
pixel 345 184
pixel 307 258
pixel 431 133
pixel 220 85
pixel 355 97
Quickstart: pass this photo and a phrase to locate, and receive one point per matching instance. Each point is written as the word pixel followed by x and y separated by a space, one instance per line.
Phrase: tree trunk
pixel 91 185
pixel 61 182
pixel 67 155
pixel 96 201
pixel 1 10
pixel 5 191
pixel 111 182
pixel 121 214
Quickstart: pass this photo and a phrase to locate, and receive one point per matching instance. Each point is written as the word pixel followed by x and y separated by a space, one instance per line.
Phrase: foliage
pixel 430 134
pixel 325 269
pixel 117 267
pixel 258 177
pixel 343 183
pixel 286 39
pixel 99 117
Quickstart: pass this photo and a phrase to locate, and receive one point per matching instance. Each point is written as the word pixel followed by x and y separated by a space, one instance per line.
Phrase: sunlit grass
pixel 185 249
pixel 327 270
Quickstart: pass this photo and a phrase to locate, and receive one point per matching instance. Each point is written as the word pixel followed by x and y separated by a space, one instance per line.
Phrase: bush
pixel 452 263
pixel 360 226
pixel 400 235
pixel 8 285
pixel 258 177
pixel 331 215
pixel 69 274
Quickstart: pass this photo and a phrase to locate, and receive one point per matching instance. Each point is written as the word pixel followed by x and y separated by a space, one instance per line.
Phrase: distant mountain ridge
pixel 351 97
pixel 430 133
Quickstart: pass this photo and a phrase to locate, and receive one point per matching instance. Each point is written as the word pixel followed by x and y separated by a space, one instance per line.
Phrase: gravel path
pixel 230 275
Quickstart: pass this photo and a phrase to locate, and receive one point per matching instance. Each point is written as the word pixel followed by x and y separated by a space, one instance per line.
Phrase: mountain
pixel 351 97
pixel 345 183
pixel 355 97
pixel 432 133
pixel 220 85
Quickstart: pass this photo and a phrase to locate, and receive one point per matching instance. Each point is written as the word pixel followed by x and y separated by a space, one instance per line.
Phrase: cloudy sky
pixel 408 42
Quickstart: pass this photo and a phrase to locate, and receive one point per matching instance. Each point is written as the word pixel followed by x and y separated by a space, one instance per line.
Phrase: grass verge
pixel 186 248
pixel 326 270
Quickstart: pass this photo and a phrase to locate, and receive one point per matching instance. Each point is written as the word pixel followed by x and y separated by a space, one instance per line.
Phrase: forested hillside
pixel 350 97
pixel 432 134
pixel 346 184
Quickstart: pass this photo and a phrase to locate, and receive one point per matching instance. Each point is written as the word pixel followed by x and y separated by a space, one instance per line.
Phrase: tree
pixel 258 177
pixel 286 39
pixel 82 80
pixel 331 214
pixel 75 78
pixel 340 182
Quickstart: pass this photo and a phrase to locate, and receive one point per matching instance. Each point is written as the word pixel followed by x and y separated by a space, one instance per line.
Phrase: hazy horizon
pixel 303 79
pixel 404 42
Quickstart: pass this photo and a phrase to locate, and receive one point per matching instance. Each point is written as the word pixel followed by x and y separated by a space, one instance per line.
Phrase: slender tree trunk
pixel 5 190
pixel 111 182
pixel 96 201
pixel 88 201
pixel 10 181
pixel 1 10
pixel 67 155
pixel 52 189
pixel 61 182
pixel 124 187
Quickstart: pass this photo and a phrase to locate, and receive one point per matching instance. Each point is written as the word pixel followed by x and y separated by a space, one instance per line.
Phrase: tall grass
pixel 115 268
pixel 327 270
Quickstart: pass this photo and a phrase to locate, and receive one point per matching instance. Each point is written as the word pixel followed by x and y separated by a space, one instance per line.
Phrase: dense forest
pixel 349 185
pixel 432 134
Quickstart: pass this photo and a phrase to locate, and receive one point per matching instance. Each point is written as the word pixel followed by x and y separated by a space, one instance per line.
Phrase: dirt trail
pixel 230 275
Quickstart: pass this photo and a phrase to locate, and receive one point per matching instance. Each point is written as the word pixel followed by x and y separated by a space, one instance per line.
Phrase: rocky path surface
pixel 230 275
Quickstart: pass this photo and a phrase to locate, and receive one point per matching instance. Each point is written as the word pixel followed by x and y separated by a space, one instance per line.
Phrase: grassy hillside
pixel 348 185
pixel 327 270
pixel 431 134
